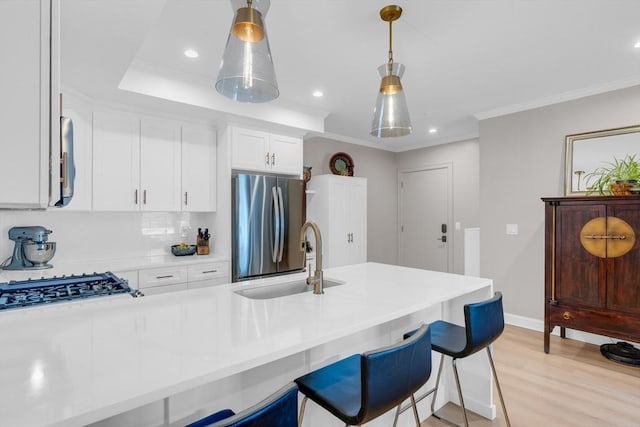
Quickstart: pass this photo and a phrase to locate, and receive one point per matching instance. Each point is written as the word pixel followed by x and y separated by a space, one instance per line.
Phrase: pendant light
pixel 246 72
pixel 391 115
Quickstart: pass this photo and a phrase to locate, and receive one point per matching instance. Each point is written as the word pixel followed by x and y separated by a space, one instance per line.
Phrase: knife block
pixel 202 246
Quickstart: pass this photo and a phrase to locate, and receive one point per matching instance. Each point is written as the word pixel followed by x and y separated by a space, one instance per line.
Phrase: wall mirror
pixel 587 151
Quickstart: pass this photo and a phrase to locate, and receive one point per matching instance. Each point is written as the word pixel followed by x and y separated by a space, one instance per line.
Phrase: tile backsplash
pixel 107 235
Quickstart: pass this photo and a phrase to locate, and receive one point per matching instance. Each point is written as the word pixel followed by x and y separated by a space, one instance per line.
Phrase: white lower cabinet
pixel 339 207
pixel 159 280
pixel 164 279
pixel 210 274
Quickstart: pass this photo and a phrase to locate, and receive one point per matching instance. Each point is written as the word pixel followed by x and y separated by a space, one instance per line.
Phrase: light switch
pixel 512 229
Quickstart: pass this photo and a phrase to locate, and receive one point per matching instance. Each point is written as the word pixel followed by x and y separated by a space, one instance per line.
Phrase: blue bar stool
pixel 278 410
pixel 484 323
pixel 364 386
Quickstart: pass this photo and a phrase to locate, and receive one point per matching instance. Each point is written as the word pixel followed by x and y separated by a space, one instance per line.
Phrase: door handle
pixel 443 239
pixel 443 228
pixel 276 224
pixel 281 202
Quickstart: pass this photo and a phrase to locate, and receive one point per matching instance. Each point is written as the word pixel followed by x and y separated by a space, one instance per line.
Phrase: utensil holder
pixel 203 246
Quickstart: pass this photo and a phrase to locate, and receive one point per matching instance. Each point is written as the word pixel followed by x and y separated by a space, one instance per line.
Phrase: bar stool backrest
pixel 392 374
pixel 484 323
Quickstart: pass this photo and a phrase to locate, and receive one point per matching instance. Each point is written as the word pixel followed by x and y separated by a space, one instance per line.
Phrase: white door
pixel 425 210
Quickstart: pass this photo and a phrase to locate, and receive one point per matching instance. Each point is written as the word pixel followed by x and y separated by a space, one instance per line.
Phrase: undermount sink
pixel 283 289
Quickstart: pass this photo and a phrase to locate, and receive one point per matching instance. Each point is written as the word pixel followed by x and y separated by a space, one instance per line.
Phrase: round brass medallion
pixel 608 237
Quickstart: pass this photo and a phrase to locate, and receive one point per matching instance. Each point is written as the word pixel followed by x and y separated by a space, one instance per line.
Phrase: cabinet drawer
pixel 162 276
pixel 208 271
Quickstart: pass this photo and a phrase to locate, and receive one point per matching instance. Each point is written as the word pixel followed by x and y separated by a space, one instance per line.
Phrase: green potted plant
pixel 617 177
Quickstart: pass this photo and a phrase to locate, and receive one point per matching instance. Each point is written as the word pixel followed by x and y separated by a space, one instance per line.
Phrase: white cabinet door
pixel 24 114
pixel 198 169
pixel 250 150
pixel 116 161
pixel 357 220
pixel 160 165
pixel 286 154
pixel 258 151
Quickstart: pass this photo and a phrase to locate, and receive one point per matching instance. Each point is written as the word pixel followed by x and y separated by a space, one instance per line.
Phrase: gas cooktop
pixel 24 293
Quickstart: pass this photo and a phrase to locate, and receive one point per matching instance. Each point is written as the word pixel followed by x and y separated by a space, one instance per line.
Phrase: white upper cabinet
pixel 198 168
pixel 116 161
pixel 160 165
pixel 264 152
pixel 24 114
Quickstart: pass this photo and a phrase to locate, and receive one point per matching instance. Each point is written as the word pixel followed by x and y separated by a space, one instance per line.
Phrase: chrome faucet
pixel 316 279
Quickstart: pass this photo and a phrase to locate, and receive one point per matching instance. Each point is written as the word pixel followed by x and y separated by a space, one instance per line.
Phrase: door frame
pixel 449 168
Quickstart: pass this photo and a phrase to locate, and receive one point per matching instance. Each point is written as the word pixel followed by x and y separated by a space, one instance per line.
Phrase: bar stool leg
pixel 304 404
pixel 415 410
pixel 464 410
pixel 495 377
pixel 435 390
pixel 395 419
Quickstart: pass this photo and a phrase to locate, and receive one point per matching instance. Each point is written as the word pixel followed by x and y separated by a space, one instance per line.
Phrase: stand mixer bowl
pixel 39 253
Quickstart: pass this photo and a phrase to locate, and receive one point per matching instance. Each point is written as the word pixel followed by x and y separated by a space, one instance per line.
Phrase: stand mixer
pixel 32 251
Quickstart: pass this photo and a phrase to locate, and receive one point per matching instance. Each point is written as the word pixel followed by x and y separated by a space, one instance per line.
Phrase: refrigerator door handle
pixel 276 224
pixel 281 250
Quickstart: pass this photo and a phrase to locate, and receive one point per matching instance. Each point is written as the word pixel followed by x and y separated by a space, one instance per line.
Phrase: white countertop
pixel 79 362
pixel 102 265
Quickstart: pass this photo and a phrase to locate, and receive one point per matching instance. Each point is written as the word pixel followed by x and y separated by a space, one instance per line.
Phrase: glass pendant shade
pixel 391 115
pixel 246 72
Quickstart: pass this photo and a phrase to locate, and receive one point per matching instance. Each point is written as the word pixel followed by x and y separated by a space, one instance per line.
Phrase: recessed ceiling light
pixel 433 130
pixel 190 53
pixel 318 93
pixel 637 45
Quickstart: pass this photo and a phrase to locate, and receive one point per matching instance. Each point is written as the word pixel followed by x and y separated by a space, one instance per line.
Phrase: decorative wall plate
pixel 341 164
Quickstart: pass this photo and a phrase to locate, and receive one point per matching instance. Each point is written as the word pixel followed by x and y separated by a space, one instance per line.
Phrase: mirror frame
pixel 571 139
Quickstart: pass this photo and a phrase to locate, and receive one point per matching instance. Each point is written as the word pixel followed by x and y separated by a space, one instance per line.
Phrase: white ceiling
pixel 465 59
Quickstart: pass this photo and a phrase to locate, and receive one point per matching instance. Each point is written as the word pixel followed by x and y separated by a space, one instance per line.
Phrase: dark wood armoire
pixel 592 266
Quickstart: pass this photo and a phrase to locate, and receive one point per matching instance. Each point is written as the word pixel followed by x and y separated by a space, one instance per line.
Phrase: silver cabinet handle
pixel 266 159
pixel 144 197
pixel 165 277
pixel 273 159
pixel 209 271
pixel 135 197
pixel 186 198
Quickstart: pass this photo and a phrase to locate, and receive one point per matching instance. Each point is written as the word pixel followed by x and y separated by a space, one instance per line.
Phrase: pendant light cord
pixel 390 64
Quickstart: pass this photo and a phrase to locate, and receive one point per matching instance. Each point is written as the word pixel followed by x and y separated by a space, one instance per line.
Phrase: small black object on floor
pixel 621 352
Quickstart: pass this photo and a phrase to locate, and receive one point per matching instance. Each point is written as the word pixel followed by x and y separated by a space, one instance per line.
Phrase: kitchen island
pixel 170 358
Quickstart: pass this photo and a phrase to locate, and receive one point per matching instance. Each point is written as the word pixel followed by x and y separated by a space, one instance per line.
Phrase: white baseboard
pixel 538 325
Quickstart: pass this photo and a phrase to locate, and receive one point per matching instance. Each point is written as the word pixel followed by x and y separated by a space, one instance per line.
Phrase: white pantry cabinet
pixel 198 168
pixel 136 163
pixel 339 207
pixel 25 37
pixel 259 151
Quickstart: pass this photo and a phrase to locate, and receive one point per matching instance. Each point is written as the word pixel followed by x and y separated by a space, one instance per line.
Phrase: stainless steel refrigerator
pixel 268 213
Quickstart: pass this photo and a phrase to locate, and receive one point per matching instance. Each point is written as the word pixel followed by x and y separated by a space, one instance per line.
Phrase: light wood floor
pixel 573 385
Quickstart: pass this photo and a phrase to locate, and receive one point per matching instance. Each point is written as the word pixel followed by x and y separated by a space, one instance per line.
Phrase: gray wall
pixel 379 167
pixel 464 159
pixel 381 170
pixel 521 160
